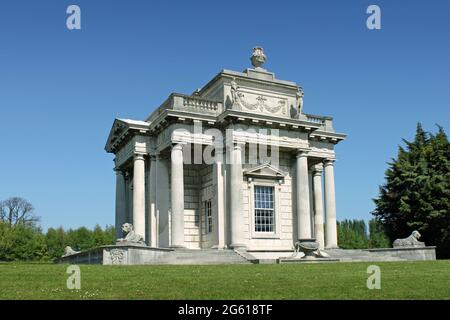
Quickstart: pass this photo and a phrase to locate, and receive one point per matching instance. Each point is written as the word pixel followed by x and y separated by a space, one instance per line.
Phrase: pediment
pixel 265 170
pixel 120 128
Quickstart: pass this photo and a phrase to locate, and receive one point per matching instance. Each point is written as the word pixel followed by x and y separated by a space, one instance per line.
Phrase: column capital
pixel 302 152
pixel 238 145
pixel 177 146
pixel 138 156
pixel 119 171
pixel 317 169
pixel 329 162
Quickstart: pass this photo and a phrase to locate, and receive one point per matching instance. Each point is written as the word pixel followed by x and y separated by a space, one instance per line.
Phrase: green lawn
pixel 399 280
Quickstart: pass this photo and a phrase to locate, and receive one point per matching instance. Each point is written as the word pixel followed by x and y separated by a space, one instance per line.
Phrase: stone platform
pixel 140 255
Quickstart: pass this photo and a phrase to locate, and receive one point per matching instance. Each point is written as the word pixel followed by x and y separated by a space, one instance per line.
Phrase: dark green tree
pixel 416 194
pixel 56 240
pixel 352 234
pixel 21 242
pixel 377 235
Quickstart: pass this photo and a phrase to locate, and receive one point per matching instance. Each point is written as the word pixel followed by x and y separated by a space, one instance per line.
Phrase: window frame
pixel 275 184
pixel 207 207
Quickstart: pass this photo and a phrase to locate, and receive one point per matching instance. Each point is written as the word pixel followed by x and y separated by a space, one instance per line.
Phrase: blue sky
pixel 60 90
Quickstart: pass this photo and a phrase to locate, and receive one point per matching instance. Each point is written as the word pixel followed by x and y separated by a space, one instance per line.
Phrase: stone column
pixel 121 213
pixel 237 237
pixel 318 206
pixel 220 197
pixel 330 206
pixel 152 203
pixel 311 200
pixel 303 205
pixel 177 197
pixel 139 194
pixel 162 201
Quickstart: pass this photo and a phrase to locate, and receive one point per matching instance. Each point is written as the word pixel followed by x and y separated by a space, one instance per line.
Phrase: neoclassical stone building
pixel 236 164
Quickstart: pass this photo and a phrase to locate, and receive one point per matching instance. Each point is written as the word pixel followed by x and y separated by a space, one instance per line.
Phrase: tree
pixel 352 234
pixel 377 235
pixel 416 194
pixel 56 242
pixel 21 242
pixel 16 211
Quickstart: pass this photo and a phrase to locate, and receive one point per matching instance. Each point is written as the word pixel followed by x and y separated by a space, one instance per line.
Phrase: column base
pixel 331 247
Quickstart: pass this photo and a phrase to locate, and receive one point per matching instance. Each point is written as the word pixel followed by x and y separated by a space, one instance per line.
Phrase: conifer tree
pixel 416 194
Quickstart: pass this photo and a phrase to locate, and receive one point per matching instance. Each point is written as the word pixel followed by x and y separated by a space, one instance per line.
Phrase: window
pixel 264 208
pixel 208 216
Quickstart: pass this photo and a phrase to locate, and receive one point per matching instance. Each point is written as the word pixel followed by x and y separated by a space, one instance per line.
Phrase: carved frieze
pixel 116 256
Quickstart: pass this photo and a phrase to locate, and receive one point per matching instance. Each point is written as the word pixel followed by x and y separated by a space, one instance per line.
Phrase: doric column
pixel 139 194
pixel 152 203
pixel 220 197
pixel 330 206
pixel 177 197
pixel 303 205
pixel 318 206
pixel 236 197
pixel 121 213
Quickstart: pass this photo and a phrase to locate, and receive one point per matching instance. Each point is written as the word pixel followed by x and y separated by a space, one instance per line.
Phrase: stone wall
pixel 283 205
pixel 192 229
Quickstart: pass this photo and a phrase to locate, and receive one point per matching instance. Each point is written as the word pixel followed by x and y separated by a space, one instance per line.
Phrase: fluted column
pixel 237 237
pixel 121 213
pixel 139 194
pixel 318 206
pixel 330 206
pixel 152 203
pixel 177 197
pixel 303 205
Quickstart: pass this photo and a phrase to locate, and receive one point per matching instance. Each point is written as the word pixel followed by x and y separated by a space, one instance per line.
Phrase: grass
pixel 399 280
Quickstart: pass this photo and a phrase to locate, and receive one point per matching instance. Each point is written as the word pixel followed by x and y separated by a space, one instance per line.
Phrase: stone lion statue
pixel 130 235
pixel 411 241
pixel 69 251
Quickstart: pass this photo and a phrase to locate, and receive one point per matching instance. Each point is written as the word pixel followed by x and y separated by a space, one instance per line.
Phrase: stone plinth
pixel 406 253
pixel 119 254
pixel 129 254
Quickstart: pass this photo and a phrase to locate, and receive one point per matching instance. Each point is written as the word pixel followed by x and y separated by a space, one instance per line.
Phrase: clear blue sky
pixel 60 90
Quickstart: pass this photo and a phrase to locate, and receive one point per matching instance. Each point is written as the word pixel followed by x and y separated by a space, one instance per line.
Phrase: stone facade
pixel 265 151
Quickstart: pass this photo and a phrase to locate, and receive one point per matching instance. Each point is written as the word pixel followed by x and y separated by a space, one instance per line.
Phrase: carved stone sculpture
pixel 411 241
pixel 116 256
pixel 130 235
pixel 258 57
pixel 308 249
pixel 300 95
pixel 235 95
pixel 68 251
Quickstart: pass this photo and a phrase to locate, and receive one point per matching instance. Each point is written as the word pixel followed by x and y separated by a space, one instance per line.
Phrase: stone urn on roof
pixel 258 57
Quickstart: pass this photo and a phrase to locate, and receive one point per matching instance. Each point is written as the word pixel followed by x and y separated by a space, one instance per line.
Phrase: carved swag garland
pixel 238 99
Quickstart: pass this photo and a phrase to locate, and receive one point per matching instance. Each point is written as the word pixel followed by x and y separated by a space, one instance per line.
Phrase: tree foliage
pixel 22 239
pixel 352 234
pixel 416 194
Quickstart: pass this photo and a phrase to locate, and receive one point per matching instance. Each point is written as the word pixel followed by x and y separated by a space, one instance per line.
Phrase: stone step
pixel 206 256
